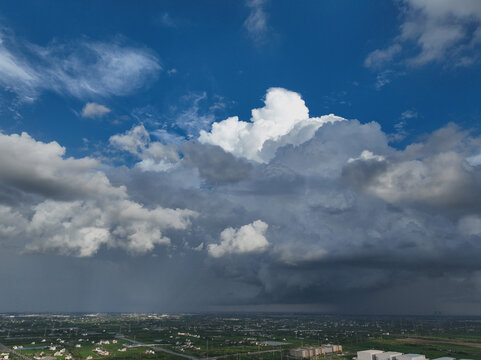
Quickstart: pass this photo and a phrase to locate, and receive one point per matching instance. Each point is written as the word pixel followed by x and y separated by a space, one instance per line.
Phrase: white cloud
pixel 154 156
pixel 409 114
pixel 440 179
pixel 134 140
pixel 367 155
pixel 38 167
pixel 80 228
pixel 256 22
pixel 247 239
pixel 444 31
pixel 76 209
pixel 190 119
pixel 379 58
pixel 93 110
pixel 103 69
pixel 166 20
pixel 284 113
pixel 384 78
pixel 474 160
pixel 81 69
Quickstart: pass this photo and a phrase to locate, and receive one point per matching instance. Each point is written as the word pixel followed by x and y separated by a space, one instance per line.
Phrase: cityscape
pixel 237 336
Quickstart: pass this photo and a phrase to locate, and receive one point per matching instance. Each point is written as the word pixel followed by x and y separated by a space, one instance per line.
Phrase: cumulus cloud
pixel 73 206
pixel 441 31
pixel 154 156
pixel 367 155
pixel 247 239
pixel 37 167
pixel 11 222
pixel 419 174
pixel 339 200
pixel 94 110
pixel 82 69
pixel 351 219
pixel 284 113
pixel 214 164
pixel 80 228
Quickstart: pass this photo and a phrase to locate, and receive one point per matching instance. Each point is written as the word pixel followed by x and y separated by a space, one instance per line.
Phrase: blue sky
pixel 297 155
pixel 315 48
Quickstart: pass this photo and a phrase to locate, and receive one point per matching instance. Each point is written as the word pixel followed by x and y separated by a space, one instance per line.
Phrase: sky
pixel 258 155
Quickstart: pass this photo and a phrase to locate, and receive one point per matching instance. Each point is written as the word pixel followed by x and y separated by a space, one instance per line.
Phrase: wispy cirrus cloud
pixel 83 69
pixel 256 22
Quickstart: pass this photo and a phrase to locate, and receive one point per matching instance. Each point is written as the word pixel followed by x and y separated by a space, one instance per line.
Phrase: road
pixel 233 355
pixel 434 341
pixel 3 348
pixel 154 347
pixel 192 357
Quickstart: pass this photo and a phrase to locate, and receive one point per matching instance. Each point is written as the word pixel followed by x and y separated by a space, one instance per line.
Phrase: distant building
pixel 299 353
pixel 368 354
pixel 314 351
pixel 388 355
pixel 411 357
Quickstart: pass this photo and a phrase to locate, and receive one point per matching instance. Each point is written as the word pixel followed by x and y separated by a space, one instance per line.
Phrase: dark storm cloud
pixel 329 215
pixel 215 165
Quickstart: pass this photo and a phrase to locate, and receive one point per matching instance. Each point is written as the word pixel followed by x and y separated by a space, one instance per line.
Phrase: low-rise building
pixel 368 354
pixel 299 353
pixel 314 351
pixel 411 357
pixel 388 355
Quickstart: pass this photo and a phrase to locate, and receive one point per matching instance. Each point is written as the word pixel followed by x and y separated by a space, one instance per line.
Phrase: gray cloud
pixel 353 223
pixel 435 31
pixel 73 208
pixel 215 165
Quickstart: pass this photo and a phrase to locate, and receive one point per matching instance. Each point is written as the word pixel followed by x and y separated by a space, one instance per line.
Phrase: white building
pixel 315 351
pixel 368 354
pixel 299 353
pixel 411 357
pixel 388 355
